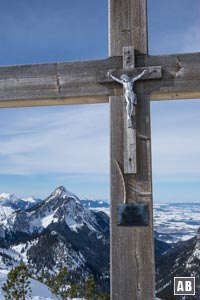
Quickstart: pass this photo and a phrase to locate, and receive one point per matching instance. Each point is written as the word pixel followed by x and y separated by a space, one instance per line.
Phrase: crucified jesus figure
pixel 130 96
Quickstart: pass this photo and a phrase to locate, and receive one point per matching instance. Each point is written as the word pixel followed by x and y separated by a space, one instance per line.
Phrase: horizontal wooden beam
pixel 184 95
pixel 55 83
pixel 180 76
pixel 52 102
pixel 86 82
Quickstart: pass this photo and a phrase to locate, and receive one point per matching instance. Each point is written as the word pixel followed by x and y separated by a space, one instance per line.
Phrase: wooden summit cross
pixel 173 77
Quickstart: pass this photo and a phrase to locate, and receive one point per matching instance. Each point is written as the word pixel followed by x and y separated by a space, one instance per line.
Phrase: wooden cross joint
pixel 130 72
pixel 153 72
pixel 130 132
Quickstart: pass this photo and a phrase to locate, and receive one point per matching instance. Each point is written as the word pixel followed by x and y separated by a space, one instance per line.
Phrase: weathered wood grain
pixel 128 54
pixel 130 154
pixel 55 83
pixel 52 102
pixel 180 76
pixel 132 251
pixel 86 82
pixel 132 248
pixel 127 29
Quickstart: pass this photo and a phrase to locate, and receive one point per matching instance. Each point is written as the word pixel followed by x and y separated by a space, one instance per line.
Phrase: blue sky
pixel 41 148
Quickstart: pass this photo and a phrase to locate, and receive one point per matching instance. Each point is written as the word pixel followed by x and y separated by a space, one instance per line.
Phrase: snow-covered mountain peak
pixel 63 205
pixel 31 199
pixel 60 207
pixel 60 226
pixel 4 195
pixel 9 203
pixel 62 192
pixel 12 198
pixel 7 199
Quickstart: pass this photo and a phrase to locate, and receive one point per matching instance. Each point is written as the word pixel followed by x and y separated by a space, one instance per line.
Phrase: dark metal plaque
pixel 135 214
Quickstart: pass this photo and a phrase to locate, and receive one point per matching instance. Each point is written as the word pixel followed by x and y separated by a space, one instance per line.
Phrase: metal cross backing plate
pixel 133 214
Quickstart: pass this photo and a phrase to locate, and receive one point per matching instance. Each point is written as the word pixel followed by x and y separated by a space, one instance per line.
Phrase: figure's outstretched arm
pixel 139 76
pixel 115 78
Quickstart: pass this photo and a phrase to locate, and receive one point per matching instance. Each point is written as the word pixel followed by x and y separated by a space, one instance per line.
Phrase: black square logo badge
pixel 184 285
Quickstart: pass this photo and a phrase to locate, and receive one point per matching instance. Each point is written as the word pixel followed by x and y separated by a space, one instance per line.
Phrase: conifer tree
pixel 103 296
pixel 90 288
pixel 17 286
pixel 60 284
pixel 74 291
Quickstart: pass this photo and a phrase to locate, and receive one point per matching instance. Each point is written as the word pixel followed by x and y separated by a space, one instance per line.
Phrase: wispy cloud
pixel 69 140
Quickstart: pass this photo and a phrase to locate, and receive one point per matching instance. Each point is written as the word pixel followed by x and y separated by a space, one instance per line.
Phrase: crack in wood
pixel 58 84
pixel 179 68
pixel 142 194
pixel 123 180
pixel 143 137
pixel 136 255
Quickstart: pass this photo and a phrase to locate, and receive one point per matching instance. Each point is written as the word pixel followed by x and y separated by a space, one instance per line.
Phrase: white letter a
pixel 180 287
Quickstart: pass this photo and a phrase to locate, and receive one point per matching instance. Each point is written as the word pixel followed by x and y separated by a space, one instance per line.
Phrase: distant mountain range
pixel 62 230
pixel 56 232
pixel 10 203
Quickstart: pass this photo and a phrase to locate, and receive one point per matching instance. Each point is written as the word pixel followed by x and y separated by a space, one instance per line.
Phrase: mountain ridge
pixel 59 231
pixel 182 260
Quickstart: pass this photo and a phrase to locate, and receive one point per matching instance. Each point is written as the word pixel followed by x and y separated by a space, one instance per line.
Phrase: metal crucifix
pixel 129 93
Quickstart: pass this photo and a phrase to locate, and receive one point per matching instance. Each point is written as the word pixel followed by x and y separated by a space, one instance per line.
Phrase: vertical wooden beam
pixel 132 248
pixel 130 161
pixel 127 26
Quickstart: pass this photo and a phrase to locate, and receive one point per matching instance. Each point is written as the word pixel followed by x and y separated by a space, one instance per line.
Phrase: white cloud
pixel 59 140
pixel 76 140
